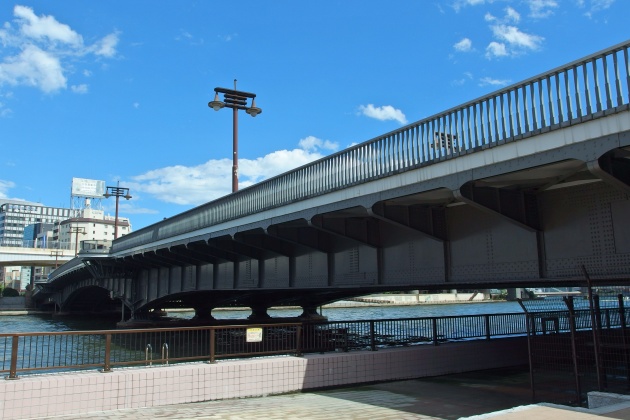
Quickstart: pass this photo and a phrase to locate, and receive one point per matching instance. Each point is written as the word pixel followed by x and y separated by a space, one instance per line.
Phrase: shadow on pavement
pixel 447 397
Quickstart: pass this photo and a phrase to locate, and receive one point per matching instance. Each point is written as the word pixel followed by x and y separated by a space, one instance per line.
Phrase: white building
pixel 90 225
pixel 69 226
pixel 16 215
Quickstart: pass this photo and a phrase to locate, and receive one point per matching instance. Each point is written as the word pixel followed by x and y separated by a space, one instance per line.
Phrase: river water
pixel 48 323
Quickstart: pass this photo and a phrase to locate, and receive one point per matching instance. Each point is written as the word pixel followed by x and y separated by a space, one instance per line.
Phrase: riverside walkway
pixel 501 394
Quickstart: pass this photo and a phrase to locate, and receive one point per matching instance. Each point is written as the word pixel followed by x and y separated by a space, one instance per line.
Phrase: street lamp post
pixel 118 192
pixel 76 230
pixel 236 100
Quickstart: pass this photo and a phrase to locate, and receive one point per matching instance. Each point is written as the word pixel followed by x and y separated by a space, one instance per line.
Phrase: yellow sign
pixel 254 335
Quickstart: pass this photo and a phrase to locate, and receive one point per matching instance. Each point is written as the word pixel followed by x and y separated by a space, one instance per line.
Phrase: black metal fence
pixel 579 348
pixel 62 351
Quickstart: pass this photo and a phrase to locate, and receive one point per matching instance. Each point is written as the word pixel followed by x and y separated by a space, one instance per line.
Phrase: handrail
pixel 108 349
pixel 581 90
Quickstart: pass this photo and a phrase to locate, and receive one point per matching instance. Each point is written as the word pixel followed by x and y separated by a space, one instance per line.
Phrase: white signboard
pixel 92 188
pixel 254 335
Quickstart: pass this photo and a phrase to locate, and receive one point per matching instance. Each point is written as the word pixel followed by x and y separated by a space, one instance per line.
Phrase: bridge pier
pixel 259 313
pixel 309 313
pixel 203 314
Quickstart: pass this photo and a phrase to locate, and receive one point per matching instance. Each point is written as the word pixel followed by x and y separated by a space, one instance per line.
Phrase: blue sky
pixel 117 90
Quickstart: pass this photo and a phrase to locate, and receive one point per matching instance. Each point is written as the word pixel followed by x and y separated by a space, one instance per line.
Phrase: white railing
pixel 585 89
pixel 36 243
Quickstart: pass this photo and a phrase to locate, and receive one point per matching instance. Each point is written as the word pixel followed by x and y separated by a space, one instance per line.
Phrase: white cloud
pixel 33 67
pixel 464 45
pixel 81 89
pixel 130 208
pixel 596 6
pixel 5 112
pixel 199 184
pixel 513 36
pixel 509 40
pixel 39 50
pixel 189 38
pixel 459 82
pixel 485 81
pixel 383 113
pixel 5 186
pixel 496 49
pixel 512 15
pixel 313 143
pixel 106 47
pixel 227 38
pixel 459 4
pixel 539 9
pixel 44 27
pixel 183 34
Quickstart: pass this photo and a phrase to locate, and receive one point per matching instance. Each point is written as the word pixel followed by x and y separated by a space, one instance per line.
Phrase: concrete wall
pixel 84 392
pixel 12 303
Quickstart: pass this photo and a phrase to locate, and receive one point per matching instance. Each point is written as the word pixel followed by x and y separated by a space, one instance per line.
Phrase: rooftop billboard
pixel 91 188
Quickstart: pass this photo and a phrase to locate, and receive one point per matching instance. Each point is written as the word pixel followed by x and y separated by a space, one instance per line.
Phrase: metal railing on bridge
pixel 90 245
pixel 585 89
pixel 36 243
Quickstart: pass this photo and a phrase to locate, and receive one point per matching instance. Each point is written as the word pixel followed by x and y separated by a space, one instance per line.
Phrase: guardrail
pixel 588 88
pixel 62 351
pixel 35 243
pixel 79 350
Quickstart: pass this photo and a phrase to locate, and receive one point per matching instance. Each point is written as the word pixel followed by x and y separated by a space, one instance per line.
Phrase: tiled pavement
pixel 447 397
pixel 332 405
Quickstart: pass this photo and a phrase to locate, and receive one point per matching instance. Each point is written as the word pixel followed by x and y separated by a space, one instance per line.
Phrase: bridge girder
pixel 524 197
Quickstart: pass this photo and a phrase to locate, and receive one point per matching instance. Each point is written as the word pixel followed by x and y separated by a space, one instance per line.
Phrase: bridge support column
pixel 516 293
pixel 259 313
pixel 309 313
pixel 203 314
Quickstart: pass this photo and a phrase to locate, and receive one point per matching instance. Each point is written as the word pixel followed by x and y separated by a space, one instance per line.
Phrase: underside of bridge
pixel 530 223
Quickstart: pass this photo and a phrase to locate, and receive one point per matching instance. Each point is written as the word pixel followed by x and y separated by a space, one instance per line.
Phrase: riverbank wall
pixel 17 303
pixel 76 393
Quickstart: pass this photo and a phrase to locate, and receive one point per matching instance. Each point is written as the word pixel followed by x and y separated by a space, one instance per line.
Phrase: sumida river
pixel 48 323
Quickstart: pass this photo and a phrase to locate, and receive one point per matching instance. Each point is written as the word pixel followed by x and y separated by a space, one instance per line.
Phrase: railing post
pixel 593 303
pixel 487 322
pixel 14 353
pixel 435 331
pixel 298 341
pixel 148 351
pixel 165 353
pixel 576 373
pixel 624 335
pixel 372 336
pixel 212 344
pixel 108 353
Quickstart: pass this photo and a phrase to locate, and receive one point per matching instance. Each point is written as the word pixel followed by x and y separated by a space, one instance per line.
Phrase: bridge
pixel 527 186
pixel 40 257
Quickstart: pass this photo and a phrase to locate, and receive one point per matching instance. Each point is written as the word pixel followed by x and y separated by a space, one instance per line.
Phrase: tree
pixel 10 292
